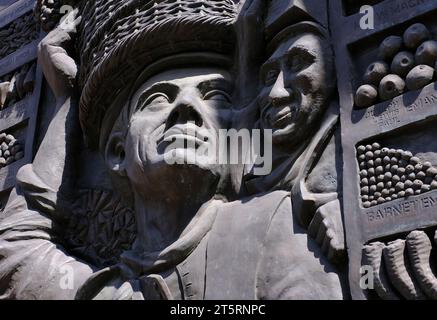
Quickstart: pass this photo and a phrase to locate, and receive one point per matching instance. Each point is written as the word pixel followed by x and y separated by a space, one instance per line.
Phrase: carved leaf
pixel 101 227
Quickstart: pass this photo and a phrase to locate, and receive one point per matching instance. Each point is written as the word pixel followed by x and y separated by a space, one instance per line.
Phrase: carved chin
pixel 285 135
pixel 183 156
pixel 299 125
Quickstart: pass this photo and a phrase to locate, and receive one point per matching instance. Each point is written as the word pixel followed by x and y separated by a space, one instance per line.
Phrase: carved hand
pixel 327 229
pixel 55 159
pixel 59 68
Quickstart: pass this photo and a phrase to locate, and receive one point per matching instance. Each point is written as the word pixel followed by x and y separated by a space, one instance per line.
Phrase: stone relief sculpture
pixel 294 103
pixel 407 64
pixel 118 204
pixel 17 34
pixel 17 85
pixel 388 160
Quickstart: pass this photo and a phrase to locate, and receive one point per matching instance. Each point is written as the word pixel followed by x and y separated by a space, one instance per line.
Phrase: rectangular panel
pixel 389 153
pixel 21 80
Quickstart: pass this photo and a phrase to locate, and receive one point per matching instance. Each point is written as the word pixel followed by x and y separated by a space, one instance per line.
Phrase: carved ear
pixel 115 154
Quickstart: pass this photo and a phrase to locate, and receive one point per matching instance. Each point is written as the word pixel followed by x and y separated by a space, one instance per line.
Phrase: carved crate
pixel 376 208
pixel 19 116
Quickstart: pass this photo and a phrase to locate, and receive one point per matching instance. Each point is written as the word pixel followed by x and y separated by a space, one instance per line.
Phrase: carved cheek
pixel 225 118
pixel 218 117
pixel 264 98
pixel 132 146
pixel 310 80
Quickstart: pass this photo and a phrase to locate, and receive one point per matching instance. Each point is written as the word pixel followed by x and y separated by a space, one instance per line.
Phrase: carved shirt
pixel 259 233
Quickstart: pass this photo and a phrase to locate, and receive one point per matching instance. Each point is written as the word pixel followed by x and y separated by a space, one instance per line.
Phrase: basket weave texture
pixel 117 39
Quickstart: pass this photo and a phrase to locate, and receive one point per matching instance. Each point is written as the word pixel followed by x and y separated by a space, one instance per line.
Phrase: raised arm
pixel 53 161
pixel 33 264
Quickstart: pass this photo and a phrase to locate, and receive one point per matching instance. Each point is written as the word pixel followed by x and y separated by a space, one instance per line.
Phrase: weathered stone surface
pixel 427 53
pixel 402 63
pixel 131 186
pixel 391 86
pixel 390 47
pixel 396 182
pixel 415 35
pixel 17 34
pixel 419 77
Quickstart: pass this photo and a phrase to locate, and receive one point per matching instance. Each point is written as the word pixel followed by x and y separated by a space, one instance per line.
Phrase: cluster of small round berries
pixel 388 174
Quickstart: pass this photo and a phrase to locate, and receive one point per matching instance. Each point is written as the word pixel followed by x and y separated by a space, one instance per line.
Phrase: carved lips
pixel 187 136
pixel 280 117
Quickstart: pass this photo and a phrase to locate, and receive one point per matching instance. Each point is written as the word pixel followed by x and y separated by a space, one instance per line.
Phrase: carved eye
pixel 296 64
pixel 217 95
pixel 156 99
pixel 300 59
pixel 270 77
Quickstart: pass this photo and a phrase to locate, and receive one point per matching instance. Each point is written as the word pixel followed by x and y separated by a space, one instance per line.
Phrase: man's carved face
pixel 177 106
pixel 297 81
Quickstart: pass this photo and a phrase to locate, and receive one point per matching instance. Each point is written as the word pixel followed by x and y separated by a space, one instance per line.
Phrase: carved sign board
pixel 389 164
pixel 19 114
pixel 388 14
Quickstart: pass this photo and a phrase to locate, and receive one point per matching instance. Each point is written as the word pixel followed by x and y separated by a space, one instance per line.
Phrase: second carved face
pixel 297 81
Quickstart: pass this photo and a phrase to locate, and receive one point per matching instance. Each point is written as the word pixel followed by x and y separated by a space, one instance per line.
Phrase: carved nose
pixel 183 113
pixel 280 95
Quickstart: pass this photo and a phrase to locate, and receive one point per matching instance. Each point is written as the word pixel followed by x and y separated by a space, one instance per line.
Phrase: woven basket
pixel 117 39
